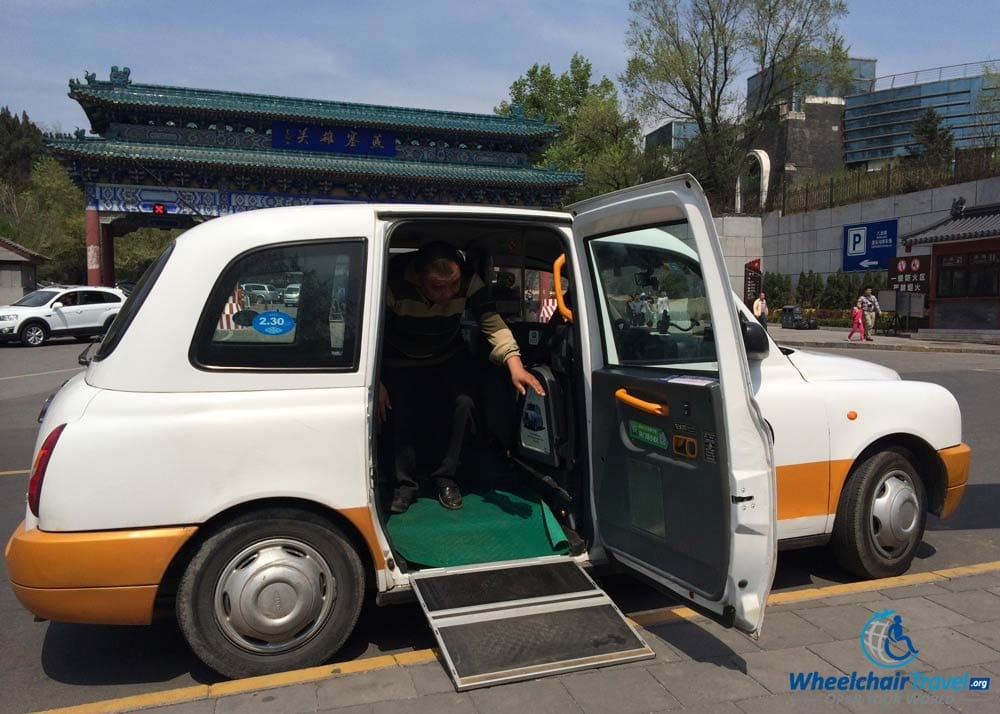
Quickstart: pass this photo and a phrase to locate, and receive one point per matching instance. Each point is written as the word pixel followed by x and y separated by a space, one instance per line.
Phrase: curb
pixel 644 618
pixel 957 349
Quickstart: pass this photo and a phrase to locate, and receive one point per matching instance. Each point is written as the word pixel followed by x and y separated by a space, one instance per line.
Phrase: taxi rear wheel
pixel 881 517
pixel 272 591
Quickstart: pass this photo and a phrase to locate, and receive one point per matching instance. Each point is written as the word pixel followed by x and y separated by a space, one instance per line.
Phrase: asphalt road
pixel 52 664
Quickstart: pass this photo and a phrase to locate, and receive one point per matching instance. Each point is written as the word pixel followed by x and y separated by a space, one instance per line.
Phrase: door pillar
pixel 107 256
pixel 93 233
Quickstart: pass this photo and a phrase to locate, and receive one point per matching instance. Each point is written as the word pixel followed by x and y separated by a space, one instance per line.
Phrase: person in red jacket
pixel 857 317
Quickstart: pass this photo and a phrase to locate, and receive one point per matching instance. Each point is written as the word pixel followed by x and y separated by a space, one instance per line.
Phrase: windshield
pixel 36 299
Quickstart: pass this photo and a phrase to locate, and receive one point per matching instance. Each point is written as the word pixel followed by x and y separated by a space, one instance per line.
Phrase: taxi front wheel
pixel 881 516
pixel 271 591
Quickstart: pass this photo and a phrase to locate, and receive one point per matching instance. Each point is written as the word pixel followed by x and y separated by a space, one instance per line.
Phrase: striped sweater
pixel 421 333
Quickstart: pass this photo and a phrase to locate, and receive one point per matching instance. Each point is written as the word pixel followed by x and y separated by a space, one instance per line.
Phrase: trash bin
pixel 793 319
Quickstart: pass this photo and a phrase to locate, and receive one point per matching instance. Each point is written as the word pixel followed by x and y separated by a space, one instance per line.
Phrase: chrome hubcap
pixel 34 335
pixel 895 513
pixel 274 596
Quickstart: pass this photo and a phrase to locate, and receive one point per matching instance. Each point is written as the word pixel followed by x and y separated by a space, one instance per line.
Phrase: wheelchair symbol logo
pixel 884 643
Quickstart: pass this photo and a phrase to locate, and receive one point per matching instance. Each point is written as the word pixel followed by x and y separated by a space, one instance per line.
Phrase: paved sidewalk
pixel 951 617
pixel 826 337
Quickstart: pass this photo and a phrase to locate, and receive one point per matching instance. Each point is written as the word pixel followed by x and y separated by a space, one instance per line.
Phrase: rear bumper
pixel 956 466
pixel 103 577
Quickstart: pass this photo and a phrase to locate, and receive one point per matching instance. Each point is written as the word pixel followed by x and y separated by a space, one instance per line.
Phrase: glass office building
pixel 878 123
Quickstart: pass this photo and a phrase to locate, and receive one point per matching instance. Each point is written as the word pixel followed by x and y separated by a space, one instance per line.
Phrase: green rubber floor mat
pixel 490 526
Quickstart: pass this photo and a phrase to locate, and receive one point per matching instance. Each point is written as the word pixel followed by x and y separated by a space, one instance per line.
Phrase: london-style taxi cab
pixel 228 462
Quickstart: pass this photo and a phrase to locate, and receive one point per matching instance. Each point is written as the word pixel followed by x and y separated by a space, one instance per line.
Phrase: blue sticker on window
pixel 273 322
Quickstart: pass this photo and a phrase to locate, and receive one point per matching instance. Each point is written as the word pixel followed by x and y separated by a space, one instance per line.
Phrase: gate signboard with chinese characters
pixel 910 274
pixel 869 246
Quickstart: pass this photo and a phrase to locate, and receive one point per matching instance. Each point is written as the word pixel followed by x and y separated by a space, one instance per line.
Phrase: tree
pixel 778 289
pixel 596 136
pixel 935 143
pixel 809 289
pixel 988 110
pixel 20 147
pixel 47 217
pixel 686 56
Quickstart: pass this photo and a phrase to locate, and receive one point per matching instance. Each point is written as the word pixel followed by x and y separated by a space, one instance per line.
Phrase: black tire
pixel 881 516
pixel 33 334
pixel 295 543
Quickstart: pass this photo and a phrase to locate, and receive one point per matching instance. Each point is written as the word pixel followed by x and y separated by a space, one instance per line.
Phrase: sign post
pixel 751 281
pixel 869 246
pixel 910 273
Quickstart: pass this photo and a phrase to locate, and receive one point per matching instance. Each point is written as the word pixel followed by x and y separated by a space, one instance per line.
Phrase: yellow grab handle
pixel 557 287
pixel 649 407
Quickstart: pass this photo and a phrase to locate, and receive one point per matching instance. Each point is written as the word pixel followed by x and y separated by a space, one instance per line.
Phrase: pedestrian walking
pixel 871 309
pixel 760 309
pixel 857 322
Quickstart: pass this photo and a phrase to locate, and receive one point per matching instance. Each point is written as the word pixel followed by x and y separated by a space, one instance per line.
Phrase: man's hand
pixel 384 405
pixel 522 378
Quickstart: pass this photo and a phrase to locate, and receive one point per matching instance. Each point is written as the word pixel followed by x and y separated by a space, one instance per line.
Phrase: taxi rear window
pixel 131 307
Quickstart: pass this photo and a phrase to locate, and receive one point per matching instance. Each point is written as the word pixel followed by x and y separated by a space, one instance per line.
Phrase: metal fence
pixel 856 186
pixel 937 74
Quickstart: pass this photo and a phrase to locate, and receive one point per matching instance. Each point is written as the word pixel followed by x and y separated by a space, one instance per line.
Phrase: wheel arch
pixel 167 589
pixel 930 468
pixel 35 321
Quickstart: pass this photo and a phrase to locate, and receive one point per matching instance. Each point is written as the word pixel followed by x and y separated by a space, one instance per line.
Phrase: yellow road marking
pixel 645 617
pixel 15 473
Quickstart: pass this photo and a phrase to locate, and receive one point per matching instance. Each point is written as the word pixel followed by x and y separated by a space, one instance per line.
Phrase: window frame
pixel 200 350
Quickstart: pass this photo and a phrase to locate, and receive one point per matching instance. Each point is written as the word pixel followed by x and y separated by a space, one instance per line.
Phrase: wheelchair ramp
pixel 504 622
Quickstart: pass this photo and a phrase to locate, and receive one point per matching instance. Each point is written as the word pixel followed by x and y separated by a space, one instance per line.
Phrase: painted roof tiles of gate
pixel 360 166
pixel 232 104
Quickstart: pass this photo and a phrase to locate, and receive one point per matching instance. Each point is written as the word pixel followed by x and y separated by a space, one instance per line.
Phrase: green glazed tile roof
pixel 208 101
pixel 361 166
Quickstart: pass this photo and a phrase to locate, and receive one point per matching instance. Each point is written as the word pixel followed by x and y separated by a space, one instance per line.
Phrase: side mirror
pixel 56 305
pixel 755 340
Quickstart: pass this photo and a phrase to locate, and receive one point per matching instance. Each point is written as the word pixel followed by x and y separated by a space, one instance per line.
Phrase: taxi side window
pixel 319 331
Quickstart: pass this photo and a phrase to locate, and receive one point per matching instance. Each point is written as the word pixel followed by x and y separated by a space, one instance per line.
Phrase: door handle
pixel 622 395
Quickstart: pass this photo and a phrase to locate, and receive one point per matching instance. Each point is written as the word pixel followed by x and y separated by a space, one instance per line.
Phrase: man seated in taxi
pixel 427 378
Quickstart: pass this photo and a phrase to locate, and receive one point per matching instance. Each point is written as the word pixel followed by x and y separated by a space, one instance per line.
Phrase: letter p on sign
pixel 857 240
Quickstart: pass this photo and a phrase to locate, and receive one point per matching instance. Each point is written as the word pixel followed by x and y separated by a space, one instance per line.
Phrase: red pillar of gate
pixel 93 228
pixel 107 257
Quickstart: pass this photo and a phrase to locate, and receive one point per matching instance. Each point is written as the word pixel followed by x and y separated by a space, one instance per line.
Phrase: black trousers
pixel 431 415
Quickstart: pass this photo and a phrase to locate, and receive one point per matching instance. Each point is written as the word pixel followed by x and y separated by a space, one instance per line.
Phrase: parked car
pixel 260 294
pixel 291 296
pixel 55 311
pixel 680 455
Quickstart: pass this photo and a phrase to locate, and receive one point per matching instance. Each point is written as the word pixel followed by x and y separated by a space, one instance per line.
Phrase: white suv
pixel 60 310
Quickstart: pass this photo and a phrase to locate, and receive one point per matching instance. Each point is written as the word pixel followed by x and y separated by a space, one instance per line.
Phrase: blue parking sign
pixel 869 246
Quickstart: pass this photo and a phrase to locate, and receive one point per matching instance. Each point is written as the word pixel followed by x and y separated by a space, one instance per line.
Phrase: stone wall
pixel 814 241
pixel 741 242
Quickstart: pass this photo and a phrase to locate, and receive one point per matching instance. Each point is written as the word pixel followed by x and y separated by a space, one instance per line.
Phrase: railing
pixel 856 186
pixel 937 74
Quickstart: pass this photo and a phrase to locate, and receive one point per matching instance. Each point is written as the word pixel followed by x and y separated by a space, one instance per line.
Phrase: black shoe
pixel 400 503
pixel 450 497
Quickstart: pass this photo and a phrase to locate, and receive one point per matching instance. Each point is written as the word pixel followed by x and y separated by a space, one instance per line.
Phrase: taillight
pixel 38 470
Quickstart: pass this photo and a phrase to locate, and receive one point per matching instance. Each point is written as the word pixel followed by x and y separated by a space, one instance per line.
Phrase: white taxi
pixel 229 461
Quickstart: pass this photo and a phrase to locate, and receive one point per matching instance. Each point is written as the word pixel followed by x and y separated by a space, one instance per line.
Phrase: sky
pixel 437 54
